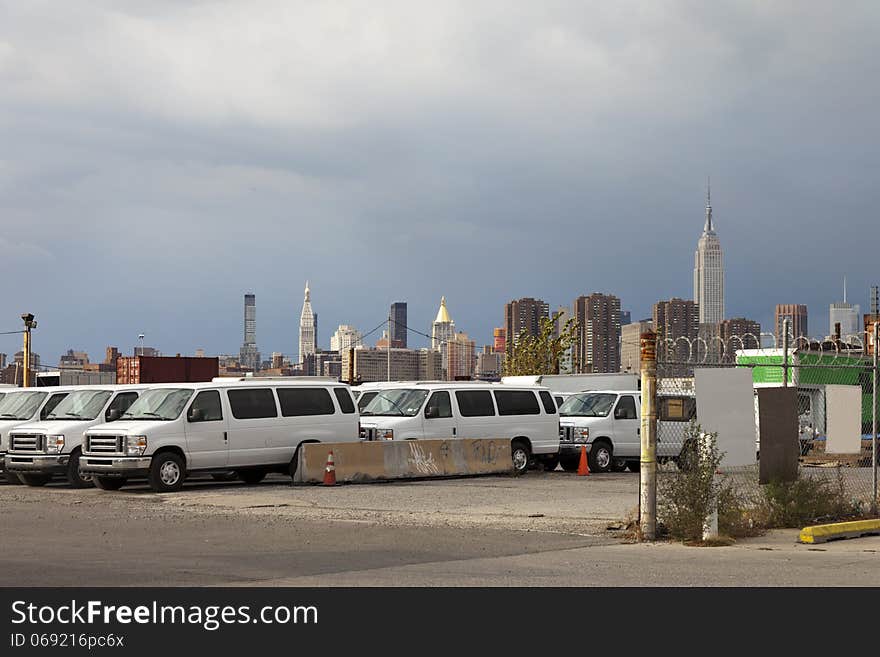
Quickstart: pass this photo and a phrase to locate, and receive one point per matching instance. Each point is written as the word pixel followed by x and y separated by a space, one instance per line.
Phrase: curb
pixel 838 530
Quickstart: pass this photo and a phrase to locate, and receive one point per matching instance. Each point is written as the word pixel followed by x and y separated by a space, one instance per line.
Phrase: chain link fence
pixel 809 367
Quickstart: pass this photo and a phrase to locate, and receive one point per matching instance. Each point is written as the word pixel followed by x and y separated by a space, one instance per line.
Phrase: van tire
pixel 163 468
pixel 13 479
pixel 74 478
pixel 618 464
pixel 601 456
pixel 570 464
pixel 35 479
pixel 550 463
pixel 251 476
pixel 520 456
pixel 109 483
pixel 224 476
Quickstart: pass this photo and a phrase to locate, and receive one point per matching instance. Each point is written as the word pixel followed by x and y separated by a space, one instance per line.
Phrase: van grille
pixel 105 444
pixel 566 434
pixel 368 433
pixel 26 442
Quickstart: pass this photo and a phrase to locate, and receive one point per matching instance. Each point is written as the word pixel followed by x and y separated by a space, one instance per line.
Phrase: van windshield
pixel 587 405
pixel 402 403
pixel 80 405
pixel 159 404
pixel 21 405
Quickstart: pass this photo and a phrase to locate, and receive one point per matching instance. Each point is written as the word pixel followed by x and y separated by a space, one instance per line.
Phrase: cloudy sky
pixel 161 158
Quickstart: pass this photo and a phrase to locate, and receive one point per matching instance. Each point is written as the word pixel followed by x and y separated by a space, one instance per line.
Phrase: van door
pixel 438 421
pixel 207 439
pixel 627 441
pixel 253 426
pixel 476 409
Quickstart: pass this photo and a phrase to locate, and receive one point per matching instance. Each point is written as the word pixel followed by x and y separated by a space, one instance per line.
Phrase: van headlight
pixel 54 444
pixel 135 445
pixel 385 434
pixel 581 435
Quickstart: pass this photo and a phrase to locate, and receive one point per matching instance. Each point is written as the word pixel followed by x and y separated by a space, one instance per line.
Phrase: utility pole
pixel 29 324
pixel 351 366
pixel 785 346
pixel 648 465
pixel 389 346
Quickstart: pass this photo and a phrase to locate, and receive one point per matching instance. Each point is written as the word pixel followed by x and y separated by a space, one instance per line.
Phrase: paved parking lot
pixel 535 530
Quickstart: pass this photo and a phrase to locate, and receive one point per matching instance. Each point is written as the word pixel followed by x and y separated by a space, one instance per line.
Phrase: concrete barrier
pixel 405 459
pixel 838 530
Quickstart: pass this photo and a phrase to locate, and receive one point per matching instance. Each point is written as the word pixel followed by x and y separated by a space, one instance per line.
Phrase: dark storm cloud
pixel 160 159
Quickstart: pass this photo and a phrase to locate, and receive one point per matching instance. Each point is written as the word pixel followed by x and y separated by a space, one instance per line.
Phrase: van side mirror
pixel 113 414
pixel 196 415
pixel 432 412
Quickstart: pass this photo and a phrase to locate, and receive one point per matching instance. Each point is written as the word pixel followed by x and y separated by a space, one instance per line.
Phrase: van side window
pixel 475 403
pixel 344 399
pixel 252 403
pixel 626 408
pixel 121 403
pixel 516 402
pixel 442 402
pixel 51 404
pixel 549 404
pixel 208 403
pixel 365 399
pixel 305 401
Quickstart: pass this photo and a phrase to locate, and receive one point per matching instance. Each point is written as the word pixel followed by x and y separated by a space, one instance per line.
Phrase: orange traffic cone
pixel 330 471
pixel 583 467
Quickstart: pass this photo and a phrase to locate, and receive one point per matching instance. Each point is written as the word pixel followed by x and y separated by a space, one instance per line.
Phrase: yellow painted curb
pixel 854 529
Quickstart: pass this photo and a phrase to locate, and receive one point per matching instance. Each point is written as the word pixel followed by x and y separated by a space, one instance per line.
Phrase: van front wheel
pixel 167 473
pixel 601 457
pixel 520 455
pixel 74 478
pixel 109 483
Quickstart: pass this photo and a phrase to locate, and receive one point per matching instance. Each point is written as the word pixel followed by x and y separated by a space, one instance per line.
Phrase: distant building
pixel 174 369
pixel 489 364
pixel 848 316
pixel 307 328
pixel 249 354
pixel 277 360
pixel 382 343
pixel 200 353
pixel 406 364
pixel 597 343
pixel 110 356
pixel 345 338
pixel 797 314
pixel 150 352
pixel 460 358
pixel 740 333
pixel 673 320
pixel 442 332
pixel 630 344
pixel 625 317
pixel 2 361
pixel 73 360
pixel 499 340
pixel 18 359
pixel 398 323
pixel 709 272
pixel 523 315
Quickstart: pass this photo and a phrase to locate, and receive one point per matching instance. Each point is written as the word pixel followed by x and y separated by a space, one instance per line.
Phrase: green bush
pixel 808 499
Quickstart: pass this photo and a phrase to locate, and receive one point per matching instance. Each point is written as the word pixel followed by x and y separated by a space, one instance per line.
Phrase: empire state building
pixel 709 271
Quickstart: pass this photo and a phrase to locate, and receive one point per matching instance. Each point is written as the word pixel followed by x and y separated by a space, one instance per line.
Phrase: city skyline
pixel 473 158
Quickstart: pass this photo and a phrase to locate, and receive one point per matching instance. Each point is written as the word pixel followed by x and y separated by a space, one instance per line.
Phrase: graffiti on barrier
pixel 421 462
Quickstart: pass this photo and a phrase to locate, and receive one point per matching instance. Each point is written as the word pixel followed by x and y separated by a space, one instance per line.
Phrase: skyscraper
pixel 709 272
pixel 398 323
pixel 523 315
pixel 307 344
pixel 675 319
pixel 597 347
pixel 442 333
pixel 249 356
pixel 345 337
pixel 847 315
pixel 460 358
pixel 797 314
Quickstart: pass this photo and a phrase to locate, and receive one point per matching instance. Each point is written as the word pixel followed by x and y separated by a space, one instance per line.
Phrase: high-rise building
pixel 597 342
pixel 406 364
pixel 848 316
pixel 676 318
pixel 307 342
pixel 345 338
pixel 499 340
pixel 523 315
pixel 442 333
pixel 740 333
pixel 630 344
pixel 277 360
pixel 489 364
pixel 797 314
pixel 460 358
pixel 625 317
pixel 249 356
pixel 709 272
pixel 398 323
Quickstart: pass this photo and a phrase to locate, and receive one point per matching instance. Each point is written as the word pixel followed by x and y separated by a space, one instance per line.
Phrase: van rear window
pixel 344 399
pixel 549 404
pixel 517 402
pixel 475 403
pixel 305 401
pixel 252 403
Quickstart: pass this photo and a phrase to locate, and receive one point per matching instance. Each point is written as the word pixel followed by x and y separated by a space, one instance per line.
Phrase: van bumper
pixel 572 449
pixel 108 466
pixel 43 463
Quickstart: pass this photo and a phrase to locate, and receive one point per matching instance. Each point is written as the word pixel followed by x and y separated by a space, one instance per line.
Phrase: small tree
pixel 542 353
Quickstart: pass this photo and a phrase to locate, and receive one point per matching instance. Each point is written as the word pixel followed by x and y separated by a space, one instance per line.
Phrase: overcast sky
pixel 161 158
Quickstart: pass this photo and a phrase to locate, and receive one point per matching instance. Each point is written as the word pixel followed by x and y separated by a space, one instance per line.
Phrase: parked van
pixel 23 405
pixel 249 426
pixel 527 416
pixel 608 423
pixel 39 450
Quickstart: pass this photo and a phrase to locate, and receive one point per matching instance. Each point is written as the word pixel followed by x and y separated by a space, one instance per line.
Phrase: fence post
pixel 874 422
pixel 785 345
pixel 648 465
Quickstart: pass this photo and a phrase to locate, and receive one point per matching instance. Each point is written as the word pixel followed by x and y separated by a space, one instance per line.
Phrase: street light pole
pixel 29 324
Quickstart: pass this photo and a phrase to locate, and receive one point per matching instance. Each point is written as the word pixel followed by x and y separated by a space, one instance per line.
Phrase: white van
pixel 248 426
pixel 23 405
pixel 39 450
pixel 526 416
